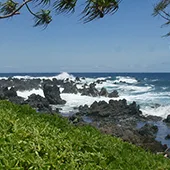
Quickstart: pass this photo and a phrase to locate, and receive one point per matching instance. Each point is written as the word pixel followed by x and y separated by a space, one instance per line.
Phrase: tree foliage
pixel 162 9
pixel 92 9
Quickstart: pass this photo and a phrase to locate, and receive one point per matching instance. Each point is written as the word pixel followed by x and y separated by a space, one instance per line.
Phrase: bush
pixel 30 140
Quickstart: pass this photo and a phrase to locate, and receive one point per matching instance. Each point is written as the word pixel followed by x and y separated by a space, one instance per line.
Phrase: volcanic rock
pixel 52 94
pixel 103 92
pixel 113 94
pixel 39 103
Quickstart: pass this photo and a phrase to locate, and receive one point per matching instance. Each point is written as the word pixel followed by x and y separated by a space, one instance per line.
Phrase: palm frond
pixel 42 18
pixel 166 24
pixel 64 6
pixel 162 5
pixel 96 9
pixel 8 7
pixel 43 2
pixel 167 35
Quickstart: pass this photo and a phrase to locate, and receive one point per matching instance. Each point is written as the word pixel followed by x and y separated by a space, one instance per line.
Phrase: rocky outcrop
pixel 6 93
pixel 52 94
pixel 17 100
pixel 113 94
pixel 120 119
pixel 167 137
pixel 25 84
pixel 103 92
pixel 69 88
pixel 115 117
pixel 112 109
pixel 77 79
pixel 129 134
pixel 90 91
pixel 39 103
pixel 167 120
pixel 148 130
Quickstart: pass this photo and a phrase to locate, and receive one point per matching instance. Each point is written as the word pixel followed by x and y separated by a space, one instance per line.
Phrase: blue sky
pixel 129 41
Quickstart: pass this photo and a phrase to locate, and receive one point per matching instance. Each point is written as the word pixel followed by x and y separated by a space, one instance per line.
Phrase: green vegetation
pixel 90 9
pixel 30 140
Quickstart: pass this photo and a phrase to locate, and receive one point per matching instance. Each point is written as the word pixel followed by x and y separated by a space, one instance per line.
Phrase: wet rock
pixel 75 119
pixel 148 130
pixel 52 94
pixel 5 83
pixel 77 79
pixel 90 91
pixel 57 82
pixel 113 94
pixel 167 120
pixel 69 88
pixel 100 108
pixel 38 102
pixel 103 92
pixel 153 118
pixel 6 93
pixel 100 81
pixel 131 135
pixel 17 100
pixel 26 84
pixel 83 110
pixel 167 137
pixel 156 105
pixel 9 92
pixel 116 109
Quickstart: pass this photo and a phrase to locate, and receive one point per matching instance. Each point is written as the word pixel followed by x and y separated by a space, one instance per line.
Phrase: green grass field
pixel 30 140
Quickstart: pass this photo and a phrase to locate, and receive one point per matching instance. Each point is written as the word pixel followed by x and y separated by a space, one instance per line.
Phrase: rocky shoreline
pixel 116 117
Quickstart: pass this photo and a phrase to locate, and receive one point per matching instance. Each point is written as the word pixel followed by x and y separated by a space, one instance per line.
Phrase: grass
pixel 30 140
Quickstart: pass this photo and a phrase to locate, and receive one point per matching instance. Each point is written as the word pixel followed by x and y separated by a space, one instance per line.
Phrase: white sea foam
pixel 148 98
pixel 75 100
pixel 145 96
pixel 87 80
pixel 64 76
pixel 110 85
pixel 3 78
pixel 164 88
pixel 162 111
pixel 127 79
pixel 107 84
pixel 79 86
pixel 23 77
pixel 27 93
pixel 103 78
pixel 155 80
pixel 61 76
pixel 134 89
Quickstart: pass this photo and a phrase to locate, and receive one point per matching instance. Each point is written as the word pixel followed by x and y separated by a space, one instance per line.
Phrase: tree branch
pixel 16 11
pixel 31 11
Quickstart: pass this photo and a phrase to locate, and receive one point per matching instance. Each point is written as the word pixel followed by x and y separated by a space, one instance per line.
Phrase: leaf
pixel 43 2
pixel 64 6
pixel 8 7
pixel 42 18
pixel 96 9
pixel 161 6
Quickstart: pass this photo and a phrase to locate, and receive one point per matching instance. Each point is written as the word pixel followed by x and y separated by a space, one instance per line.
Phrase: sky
pixel 128 41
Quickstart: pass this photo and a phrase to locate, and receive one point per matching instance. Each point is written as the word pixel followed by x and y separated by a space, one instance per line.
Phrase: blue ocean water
pixel 149 90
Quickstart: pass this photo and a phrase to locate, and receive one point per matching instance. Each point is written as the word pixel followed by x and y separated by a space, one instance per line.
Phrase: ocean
pixel 151 91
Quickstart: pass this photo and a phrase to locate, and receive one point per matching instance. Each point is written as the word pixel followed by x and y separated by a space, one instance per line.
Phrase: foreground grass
pixel 29 140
